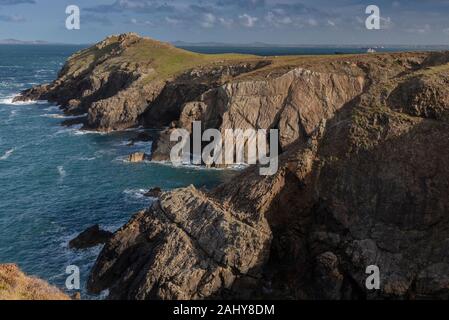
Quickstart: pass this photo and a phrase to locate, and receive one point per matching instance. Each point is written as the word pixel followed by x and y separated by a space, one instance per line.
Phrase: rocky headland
pixel 363 175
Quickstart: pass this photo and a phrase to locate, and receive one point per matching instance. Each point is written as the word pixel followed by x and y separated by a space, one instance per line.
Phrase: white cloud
pixel 331 23
pixel 312 22
pixel 247 20
pixel 172 21
pixel 420 30
pixel 386 23
pixel 208 20
pixel 141 23
pixel 228 23
pixel 278 20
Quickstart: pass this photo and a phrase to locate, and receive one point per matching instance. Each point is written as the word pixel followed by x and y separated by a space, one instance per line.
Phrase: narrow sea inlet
pixel 56 181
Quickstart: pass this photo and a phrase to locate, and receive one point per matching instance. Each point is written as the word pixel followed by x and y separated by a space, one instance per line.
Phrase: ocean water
pixel 57 181
pixel 315 50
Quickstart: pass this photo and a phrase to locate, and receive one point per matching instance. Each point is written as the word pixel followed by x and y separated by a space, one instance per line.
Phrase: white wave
pixel 7 154
pixel 62 172
pixel 187 165
pixel 80 132
pixel 86 158
pixel 52 108
pixel 61 116
pixel 137 194
pixel 9 101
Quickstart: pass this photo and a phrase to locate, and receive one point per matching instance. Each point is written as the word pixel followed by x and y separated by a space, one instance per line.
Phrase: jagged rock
pixel 90 237
pixel 364 184
pixel 153 193
pixel 15 285
pixel 137 157
pixel 193 248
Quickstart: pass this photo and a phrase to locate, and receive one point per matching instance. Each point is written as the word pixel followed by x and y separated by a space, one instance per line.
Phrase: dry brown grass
pixel 15 285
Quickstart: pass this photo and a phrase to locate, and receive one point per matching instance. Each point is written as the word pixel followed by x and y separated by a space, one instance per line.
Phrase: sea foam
pixel 7 154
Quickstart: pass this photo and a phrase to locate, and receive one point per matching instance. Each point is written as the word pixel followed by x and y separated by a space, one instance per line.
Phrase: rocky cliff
pixel 363 179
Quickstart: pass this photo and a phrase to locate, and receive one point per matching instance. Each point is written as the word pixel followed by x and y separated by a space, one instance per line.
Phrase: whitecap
pixel 52 108
pixel 61 116
pixel 8 100
pixel 138 194
pixel 86 158
pixel 124 159
pixel 62 172
pixel 7 154
pixel 72 130
pixel 80 132
pixel 188 165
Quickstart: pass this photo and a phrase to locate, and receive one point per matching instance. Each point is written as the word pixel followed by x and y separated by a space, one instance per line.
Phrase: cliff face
pixel 362 180
pixel 363 184
pixel 14 285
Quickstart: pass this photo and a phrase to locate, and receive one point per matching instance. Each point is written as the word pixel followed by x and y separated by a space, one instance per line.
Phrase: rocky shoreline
pixel 362 179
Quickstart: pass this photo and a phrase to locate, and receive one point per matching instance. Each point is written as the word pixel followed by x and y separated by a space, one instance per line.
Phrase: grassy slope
pixel 168 61
pixel 165 59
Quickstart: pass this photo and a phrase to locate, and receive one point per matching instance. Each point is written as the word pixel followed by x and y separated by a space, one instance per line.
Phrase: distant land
pixel 211 44
pixel 268 45
pixel 15 41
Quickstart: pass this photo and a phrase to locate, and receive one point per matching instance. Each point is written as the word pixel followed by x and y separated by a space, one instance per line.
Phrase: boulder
pixel 90 237
pixel 153 193
pixel 137 157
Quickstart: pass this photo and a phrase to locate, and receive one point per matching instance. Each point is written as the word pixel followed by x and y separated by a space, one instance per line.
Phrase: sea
pixel 56 181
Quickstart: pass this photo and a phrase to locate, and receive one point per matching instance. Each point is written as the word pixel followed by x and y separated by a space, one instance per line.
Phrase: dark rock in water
pixel 142 136
pixel 137 157
pixel 153 193
pixel 91 237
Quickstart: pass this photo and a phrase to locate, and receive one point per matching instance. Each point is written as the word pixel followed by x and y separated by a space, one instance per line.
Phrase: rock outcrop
pixel 153 193
pixel 15 285
pixel 137 157
pixel 90 237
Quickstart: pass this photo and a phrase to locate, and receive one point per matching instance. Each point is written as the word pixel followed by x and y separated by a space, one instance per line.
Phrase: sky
pixel 314 22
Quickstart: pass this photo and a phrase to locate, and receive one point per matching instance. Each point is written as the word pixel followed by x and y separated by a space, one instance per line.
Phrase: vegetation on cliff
pixel 15 285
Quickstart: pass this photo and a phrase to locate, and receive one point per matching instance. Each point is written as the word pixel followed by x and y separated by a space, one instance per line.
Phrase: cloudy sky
pixel 232 21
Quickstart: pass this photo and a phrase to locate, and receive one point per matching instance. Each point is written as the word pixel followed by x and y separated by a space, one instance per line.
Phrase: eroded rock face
pixel 365 185
pixel 294 103
pixel 184 247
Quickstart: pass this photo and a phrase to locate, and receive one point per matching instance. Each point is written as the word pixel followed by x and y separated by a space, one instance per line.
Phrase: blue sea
pixel 56 181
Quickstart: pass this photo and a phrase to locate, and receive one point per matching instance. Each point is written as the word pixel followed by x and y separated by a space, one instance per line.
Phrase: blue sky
pixel 233 21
